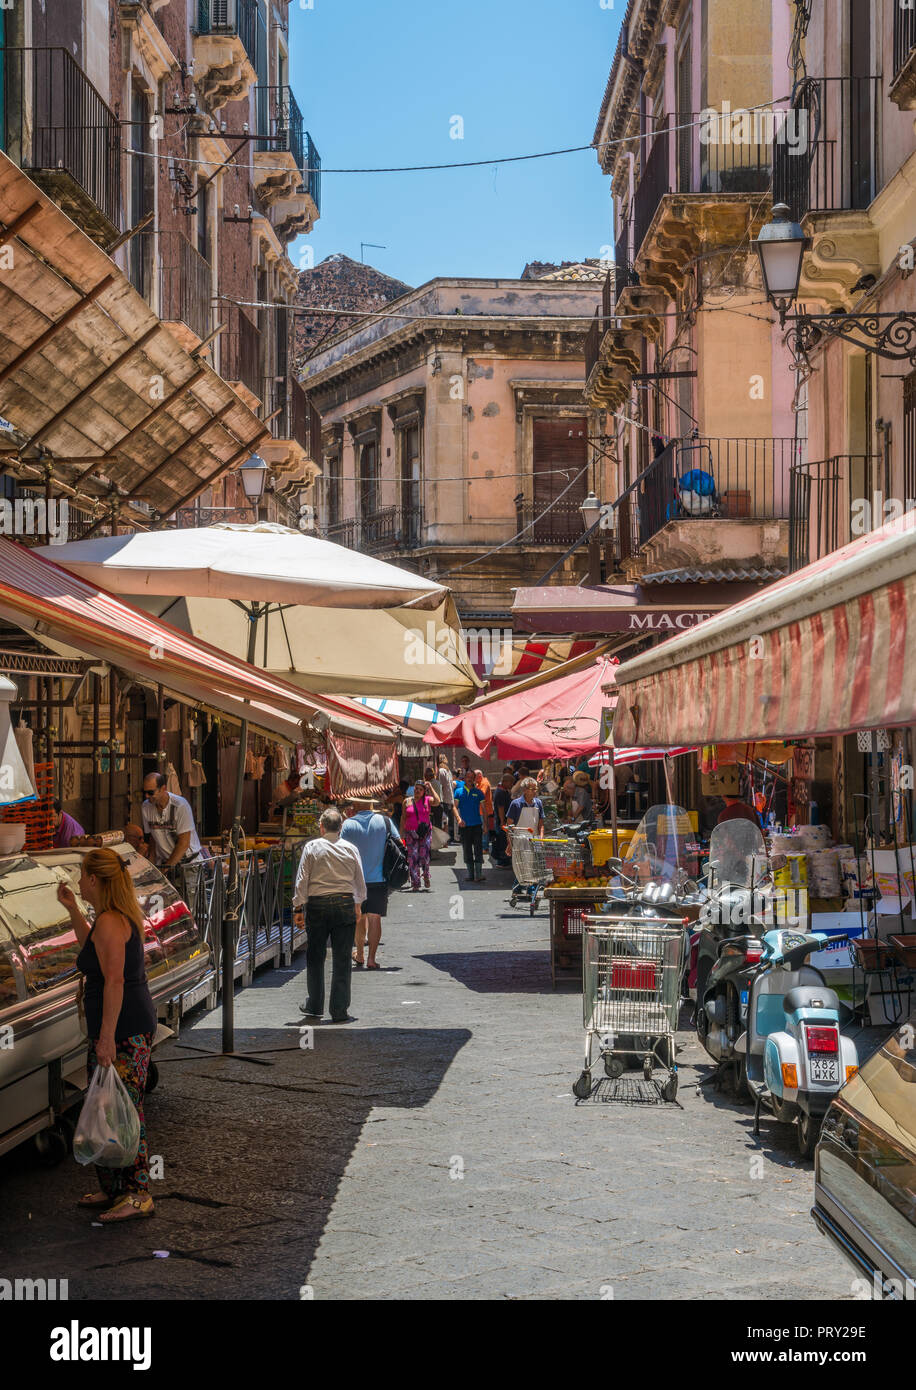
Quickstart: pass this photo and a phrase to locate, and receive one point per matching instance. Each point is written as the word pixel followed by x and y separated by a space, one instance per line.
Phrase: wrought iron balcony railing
pixel 390 528
pixel 280 122
pixel 58 128
pixel 186 284
pixel 832 161
pixel 713 156
pixel 539 523
pixel 824 511
pixel 904 34
pixel 312 171
pixel 730 479
pixel 240 351
pixel 231 17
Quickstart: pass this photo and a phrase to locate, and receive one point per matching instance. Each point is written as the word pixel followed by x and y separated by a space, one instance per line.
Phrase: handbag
pixel 394 862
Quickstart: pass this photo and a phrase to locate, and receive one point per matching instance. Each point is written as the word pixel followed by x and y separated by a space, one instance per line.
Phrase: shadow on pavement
pixel 251 1158
pixel 497 972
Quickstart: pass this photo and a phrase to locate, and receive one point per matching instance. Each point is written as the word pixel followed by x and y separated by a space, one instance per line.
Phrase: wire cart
pixel 631 997
pixel 537 861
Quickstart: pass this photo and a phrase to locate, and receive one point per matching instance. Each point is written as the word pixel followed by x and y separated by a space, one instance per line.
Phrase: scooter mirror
pixel 613 866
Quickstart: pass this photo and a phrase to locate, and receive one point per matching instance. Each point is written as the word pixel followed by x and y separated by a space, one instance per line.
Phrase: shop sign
pixel 803 764
pixel 665 621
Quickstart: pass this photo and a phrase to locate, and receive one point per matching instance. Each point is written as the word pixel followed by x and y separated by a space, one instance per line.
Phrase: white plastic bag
pixel 438 838
pixel 108 1132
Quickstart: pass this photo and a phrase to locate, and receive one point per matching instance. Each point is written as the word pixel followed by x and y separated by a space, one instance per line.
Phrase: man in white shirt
pixel 331 885
pixel 169 822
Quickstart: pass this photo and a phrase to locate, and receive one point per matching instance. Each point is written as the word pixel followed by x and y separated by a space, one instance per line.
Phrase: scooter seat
pixel 810 997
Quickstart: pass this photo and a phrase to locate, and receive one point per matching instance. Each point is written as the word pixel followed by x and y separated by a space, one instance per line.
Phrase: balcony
pixel 822 496
pixel 716 505
pixel 61 132
pixel 240 357
pixel 185 294
pixel 829 182
pixel 295 448
pixel 287 167
pixel 390 530
pixel 902 90
pixel 560 525
pixel 225 51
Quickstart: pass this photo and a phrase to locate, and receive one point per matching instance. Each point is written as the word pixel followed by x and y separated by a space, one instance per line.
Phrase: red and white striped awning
pixel 636 755
pixel 825 651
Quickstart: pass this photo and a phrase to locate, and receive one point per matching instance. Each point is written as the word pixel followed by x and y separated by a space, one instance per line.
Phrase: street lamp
pixel 591 509
pixel 781 245
pixel 253 474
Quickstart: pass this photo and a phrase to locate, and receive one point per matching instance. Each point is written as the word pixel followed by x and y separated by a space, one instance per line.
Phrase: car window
pixel 884 1091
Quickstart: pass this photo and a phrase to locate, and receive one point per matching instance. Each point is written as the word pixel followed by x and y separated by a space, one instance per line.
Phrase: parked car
pixel 865 1169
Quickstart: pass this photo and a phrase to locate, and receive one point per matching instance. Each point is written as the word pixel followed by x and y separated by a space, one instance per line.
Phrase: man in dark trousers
pixel 469 800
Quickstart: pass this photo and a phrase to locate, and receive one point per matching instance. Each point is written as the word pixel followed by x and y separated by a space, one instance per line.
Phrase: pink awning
pixel 558 719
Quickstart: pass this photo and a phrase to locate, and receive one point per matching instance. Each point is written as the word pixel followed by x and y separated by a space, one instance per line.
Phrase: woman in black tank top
pixel 120 1013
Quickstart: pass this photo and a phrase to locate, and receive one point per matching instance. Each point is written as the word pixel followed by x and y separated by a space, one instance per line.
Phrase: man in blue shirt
pixel 368 831
pixel 468 802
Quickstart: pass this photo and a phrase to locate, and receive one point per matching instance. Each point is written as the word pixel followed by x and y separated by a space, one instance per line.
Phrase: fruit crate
pixel 568 909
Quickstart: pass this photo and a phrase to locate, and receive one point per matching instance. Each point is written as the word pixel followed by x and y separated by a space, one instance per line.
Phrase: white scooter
pixel 797 1058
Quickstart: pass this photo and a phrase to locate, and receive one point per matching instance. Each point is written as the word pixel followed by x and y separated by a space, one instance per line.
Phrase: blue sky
pixel 379 83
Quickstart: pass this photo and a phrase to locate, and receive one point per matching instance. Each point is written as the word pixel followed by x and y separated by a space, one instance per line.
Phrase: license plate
pixel 744 997
pixel 824 1069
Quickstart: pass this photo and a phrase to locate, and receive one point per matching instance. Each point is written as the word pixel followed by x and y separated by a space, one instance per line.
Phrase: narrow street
pixel 433 1149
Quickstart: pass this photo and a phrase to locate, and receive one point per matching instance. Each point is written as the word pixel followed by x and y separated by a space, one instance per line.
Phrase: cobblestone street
pixel 433 1149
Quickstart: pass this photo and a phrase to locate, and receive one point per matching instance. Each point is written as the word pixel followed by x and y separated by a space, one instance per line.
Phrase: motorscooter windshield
pixel 658 850
pixel 733 848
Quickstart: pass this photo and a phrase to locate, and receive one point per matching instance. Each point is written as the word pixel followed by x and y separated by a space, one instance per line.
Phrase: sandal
pixel 129 1206
pixel 95 1199
pixel 358 961
pixel 374 966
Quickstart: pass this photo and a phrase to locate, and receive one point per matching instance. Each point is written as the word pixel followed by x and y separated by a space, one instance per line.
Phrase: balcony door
pixel 560 465
pixel 861 116
pixel 411 494
pixel 368 489
pixel 140 200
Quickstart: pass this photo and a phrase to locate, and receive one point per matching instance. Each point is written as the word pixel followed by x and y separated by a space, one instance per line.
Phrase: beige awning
pixel 92 377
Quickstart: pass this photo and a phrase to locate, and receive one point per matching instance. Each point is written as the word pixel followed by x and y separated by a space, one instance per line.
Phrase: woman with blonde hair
pixel 120 1013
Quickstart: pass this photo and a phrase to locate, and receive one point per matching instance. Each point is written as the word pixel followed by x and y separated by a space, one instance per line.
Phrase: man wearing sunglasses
pixel 169 822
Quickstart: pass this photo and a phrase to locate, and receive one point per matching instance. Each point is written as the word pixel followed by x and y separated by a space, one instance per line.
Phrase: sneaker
pixel 309 1011
pixel 346 1018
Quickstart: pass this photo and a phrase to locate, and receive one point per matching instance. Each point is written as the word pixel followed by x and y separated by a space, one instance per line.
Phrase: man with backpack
pixel 369 831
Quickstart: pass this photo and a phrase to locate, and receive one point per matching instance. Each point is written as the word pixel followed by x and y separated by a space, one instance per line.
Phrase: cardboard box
pixel 725 781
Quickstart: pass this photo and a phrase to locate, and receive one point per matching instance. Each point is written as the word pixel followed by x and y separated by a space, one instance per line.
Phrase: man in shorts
pixel 368 831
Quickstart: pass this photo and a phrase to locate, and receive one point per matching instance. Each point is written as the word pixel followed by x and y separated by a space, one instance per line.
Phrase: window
pixel 560 465
pixel 411 486
pixel 333 489
pixel 368 478
pixel 203 220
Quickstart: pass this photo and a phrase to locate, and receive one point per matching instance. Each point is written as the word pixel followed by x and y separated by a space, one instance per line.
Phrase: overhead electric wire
pixel 461 163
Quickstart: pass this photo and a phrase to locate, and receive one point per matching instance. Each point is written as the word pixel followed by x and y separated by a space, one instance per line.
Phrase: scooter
pixel 730 945
pixel 796 1057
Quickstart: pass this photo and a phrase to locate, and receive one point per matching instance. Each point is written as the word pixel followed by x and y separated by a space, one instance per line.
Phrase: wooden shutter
pixel 560 459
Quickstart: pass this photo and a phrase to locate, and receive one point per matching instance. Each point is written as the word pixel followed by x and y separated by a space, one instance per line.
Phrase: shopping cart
pixel 537 861
pixel 631 995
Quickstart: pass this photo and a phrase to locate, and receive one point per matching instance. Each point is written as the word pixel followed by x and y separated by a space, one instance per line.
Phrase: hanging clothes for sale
pixel 172 781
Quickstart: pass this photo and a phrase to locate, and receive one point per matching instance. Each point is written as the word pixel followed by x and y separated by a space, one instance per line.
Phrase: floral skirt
pixel 132 1064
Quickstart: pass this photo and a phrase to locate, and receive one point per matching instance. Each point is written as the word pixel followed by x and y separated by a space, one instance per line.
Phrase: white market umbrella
pixel 262 563
pixel 412 716
pixel 323 616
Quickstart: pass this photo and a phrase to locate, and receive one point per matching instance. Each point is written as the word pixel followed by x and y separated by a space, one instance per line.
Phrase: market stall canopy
pixel 825 651
pixel 70 616
pixel 335 621
pixel 556 719
pixel 405 713
pixel 620 608
pixel 92 377
pixel 262 562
